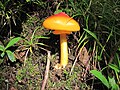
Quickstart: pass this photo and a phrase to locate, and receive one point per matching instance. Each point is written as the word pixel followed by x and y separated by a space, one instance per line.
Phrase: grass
pixel 93 52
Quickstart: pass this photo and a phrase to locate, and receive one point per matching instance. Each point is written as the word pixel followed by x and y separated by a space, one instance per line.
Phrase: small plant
pixel 113 69
pixel 6 51
pixel 33 41
pixel 31 44
pixel 109 82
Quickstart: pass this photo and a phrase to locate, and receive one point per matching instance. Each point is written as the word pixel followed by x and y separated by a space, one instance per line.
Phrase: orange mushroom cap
pixel 61 22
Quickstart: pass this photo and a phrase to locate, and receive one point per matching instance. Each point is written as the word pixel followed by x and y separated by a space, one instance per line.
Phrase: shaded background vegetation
pixel 95 47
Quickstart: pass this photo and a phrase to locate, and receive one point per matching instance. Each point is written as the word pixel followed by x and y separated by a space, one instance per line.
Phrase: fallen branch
pixel 46 71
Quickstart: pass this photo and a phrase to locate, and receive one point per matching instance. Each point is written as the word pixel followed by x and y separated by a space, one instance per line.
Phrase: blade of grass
pixel 2 48
pixel 94 36
pixel 101 77
pixel 12 42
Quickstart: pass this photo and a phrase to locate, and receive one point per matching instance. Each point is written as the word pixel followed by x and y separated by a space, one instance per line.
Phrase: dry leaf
pixel 20 54
pixel 84 57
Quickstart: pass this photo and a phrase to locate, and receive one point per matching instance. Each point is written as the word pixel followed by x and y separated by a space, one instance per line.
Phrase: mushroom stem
pixel 64 50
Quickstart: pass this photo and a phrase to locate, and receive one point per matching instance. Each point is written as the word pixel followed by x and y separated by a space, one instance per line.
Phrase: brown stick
pixel 46 71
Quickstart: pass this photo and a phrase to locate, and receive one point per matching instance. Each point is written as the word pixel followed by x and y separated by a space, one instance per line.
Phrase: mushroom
pixel 62 24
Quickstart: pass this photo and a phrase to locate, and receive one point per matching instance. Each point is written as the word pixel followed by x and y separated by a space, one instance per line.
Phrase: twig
pixel 46 71
pixel 75 62
pixel 7 84
pixel 26 56
pixel 77 57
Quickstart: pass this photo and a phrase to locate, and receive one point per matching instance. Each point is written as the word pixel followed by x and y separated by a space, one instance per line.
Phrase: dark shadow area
pixel 53 44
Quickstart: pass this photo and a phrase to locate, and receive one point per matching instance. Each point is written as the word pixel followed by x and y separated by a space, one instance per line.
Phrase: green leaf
pixel 27 0
pixel 101 77
pixel 91 33
pixel 119 49
pixel 57 11
pixel 27 42
pixel 1 61
pixel 94 36
pixel 117 59
pixel 11 55
pixel 99 58
pixel 12 42
pixel 2 55
pixel 1 5
pixel 2 48
pixel 40 37
pixel 114 67
pixel 113 84
pixel 6 2
pixel 111 81
pixel 115 87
